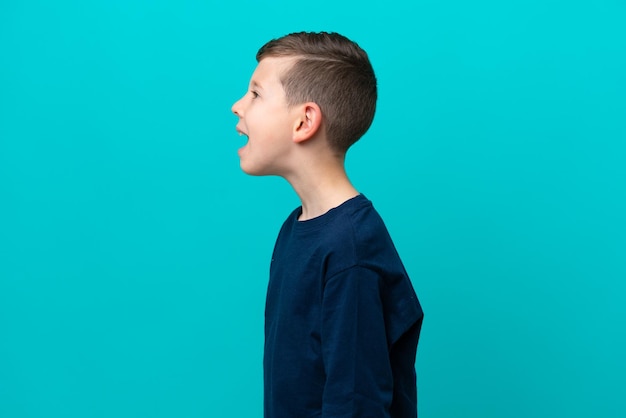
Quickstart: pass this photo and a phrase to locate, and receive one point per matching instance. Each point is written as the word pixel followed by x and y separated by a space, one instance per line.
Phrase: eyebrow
pixel 253 83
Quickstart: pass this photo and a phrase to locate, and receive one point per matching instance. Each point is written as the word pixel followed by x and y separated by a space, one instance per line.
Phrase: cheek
pixel 254 114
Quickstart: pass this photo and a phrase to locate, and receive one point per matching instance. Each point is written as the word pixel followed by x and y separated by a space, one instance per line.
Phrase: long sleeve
pixel 359 381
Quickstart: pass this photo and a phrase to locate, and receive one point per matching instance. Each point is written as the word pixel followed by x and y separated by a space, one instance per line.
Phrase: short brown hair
pixel 333 72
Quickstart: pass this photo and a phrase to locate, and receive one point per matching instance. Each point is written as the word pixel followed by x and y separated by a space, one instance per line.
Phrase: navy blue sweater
pixel 342 320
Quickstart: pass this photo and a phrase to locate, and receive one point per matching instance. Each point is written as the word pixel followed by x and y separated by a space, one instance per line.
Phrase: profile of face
pixel 266 120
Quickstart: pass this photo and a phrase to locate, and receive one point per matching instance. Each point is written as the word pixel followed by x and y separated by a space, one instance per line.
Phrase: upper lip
pixel 241 131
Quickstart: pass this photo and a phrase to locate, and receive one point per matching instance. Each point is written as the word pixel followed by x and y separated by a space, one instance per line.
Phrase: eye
pixel 254 94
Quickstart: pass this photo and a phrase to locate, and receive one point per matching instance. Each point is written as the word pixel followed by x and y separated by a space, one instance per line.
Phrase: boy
pixel 342 321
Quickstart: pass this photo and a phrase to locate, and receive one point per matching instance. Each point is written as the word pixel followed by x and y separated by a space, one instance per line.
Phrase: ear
pixel 308 122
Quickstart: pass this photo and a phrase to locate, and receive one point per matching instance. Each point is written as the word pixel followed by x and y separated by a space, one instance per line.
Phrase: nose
pixel 237 108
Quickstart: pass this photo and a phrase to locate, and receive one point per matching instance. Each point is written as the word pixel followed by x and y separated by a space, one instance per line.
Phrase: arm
pixel 359 382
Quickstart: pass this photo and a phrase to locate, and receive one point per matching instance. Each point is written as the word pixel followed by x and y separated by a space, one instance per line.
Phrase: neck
pixel 321 187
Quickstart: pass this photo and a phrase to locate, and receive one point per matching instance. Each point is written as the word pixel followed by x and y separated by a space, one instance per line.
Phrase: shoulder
pixel 358 234
pixel 366 227
pixel 352 221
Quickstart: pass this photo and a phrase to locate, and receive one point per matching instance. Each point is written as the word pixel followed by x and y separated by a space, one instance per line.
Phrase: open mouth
pixel 240 132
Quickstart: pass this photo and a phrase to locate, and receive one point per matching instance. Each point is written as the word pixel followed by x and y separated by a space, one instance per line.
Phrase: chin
pixel 250 170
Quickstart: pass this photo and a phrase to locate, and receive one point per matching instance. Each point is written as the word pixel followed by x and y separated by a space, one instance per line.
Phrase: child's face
pixel 266 119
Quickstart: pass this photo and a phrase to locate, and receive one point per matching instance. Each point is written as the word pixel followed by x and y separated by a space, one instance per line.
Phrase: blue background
pixel 134 253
